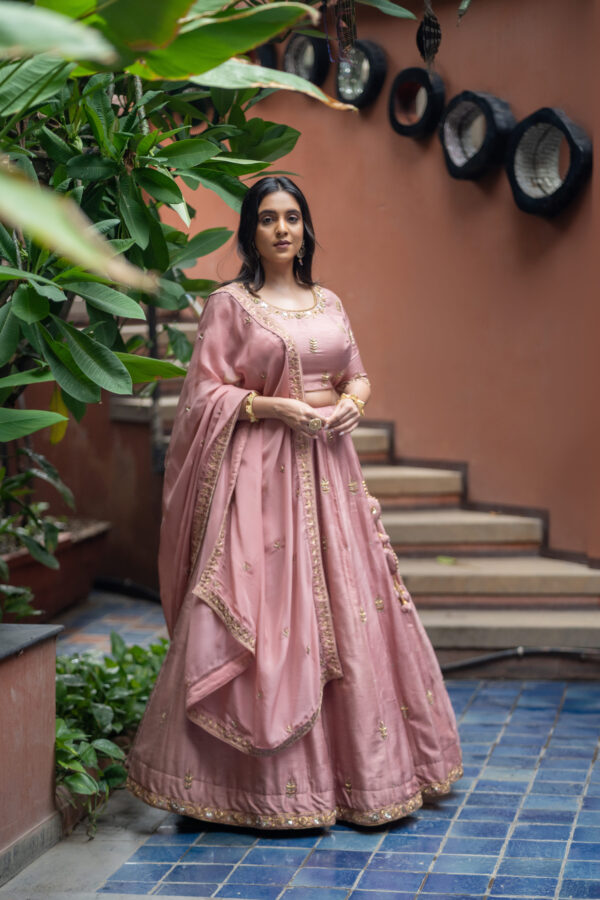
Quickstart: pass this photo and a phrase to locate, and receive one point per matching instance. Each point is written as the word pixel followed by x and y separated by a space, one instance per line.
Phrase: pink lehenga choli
pixel 300 686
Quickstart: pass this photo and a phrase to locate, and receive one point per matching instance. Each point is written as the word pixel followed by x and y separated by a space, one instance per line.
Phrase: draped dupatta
pixel 240 550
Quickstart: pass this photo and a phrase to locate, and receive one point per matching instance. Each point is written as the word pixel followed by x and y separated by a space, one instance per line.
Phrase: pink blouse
pixel 324 340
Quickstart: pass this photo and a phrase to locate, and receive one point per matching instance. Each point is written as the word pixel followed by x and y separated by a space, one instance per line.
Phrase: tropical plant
pixel 100 700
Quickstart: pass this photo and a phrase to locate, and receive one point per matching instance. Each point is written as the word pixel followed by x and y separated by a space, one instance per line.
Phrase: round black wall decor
pixel 474 132
pixel 416 102
pixel 307 57
pixel 264 55
pixel 361 74
pixel 548 160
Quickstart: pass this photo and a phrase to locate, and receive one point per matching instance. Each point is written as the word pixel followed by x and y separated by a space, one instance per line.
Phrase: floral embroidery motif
pixel 325 378
pixel 405 711
pixel 187 781
pixel 282 468
pixel 286 632
pixel 313 346
pixel 291 787
pixel 325 485
pixel 247 320
pixel 200 336
pixel 247 567
pixel 307 649
pixel 276 545
pixel 259 695
pixel 324 543
pixel 429 696
pixel 330 435
pixel 403 595
pixel 352 487
pixel 187 409
pixel 379 603
pixel 348 785
pixel 363 615
pixel 163 718
pixel 382 730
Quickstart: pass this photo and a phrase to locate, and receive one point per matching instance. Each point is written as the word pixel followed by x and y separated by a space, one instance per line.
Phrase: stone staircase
pixel 481 580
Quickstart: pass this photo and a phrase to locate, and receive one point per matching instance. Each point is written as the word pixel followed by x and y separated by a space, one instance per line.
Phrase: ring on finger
pixel 315 424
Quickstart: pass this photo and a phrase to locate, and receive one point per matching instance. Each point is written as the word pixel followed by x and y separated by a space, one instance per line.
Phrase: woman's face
pixel 280 229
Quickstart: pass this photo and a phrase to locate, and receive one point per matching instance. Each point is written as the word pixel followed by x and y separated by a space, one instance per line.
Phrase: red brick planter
pixel 79 553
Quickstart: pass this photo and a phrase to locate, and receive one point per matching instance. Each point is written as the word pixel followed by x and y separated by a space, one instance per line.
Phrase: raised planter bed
pixel 29 824
pixel 79 553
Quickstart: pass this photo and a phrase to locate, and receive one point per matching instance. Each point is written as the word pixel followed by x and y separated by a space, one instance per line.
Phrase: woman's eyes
pixel 267 220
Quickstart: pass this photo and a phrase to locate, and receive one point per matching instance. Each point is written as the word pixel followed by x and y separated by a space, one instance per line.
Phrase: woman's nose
pixel 281 226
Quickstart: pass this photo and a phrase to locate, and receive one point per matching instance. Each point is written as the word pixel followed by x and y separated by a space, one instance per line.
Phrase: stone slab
pixel 501 629
pixel 397 480
pixel 459 526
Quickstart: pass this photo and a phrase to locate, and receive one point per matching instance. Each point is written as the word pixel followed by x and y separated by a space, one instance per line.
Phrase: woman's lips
pixel 283 243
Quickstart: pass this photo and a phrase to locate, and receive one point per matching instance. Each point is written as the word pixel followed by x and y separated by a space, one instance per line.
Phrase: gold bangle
pixel 360 404
pixel 248 406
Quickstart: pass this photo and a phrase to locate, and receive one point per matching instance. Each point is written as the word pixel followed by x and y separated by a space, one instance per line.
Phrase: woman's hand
pixel 297 415
pixel 344 418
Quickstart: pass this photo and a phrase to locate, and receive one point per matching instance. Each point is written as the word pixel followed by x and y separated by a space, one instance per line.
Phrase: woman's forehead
pixel 278 200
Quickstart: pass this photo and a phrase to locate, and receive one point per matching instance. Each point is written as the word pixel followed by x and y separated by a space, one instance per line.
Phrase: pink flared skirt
pixel 385 735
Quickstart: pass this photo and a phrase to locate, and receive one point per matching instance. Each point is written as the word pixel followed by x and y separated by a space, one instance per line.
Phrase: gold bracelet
pixel 248 406
pixel 360 404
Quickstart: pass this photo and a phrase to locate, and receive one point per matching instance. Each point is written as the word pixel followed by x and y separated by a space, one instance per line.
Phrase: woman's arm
pixel 294 413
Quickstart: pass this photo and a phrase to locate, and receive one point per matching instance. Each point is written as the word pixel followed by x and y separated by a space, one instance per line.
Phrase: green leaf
pixel 144 368
pixel 81 783
pixel 463 8
pixel 180 346
pixel 57 223
pixel 108 748
pixel 117 645
pixel 391 9
pixel 38 552
pixel 170 296
pixel 66 372
pixel 188 153
pixel 9 333
pixel 7 246
pixel 236 73
pixel 159 185
pixel 28 305
pixel 156 255
pixel 55 147
pixel 100 116
pixel 238 166
pixel 102 714
pixel 265 140
pixel 227 187
pixel 27 30
pixel 56 483
pixel 200 245
pixel 31 376
pixel 107 299
pixel 207 42
pixel 137 25
pixel 95 360
pixel 92 167
pixel 132 209
pixel 16 423
pixel 30 83
pixel 115 775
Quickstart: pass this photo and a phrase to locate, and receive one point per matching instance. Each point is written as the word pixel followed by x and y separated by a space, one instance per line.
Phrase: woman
pixel 300 686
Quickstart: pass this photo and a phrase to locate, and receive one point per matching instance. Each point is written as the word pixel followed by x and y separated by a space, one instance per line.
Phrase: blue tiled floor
pixel 523 823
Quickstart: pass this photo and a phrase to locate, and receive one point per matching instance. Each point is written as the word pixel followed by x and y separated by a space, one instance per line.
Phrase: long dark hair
pixel 252 274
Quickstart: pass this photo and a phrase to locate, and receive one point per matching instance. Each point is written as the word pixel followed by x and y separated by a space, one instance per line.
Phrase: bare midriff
pixel 327 397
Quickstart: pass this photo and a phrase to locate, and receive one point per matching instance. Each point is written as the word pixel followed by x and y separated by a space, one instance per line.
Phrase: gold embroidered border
pixel 207 488
pixel 318 819
pixel 330 663
pixel 236 628
pixel 230 735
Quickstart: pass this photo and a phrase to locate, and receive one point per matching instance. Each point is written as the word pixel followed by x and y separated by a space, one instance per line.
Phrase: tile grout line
pixel 526 793
pixel 586 785
pixel 461 806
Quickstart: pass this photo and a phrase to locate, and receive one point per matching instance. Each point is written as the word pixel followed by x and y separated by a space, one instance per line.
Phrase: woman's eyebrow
pixel 274 211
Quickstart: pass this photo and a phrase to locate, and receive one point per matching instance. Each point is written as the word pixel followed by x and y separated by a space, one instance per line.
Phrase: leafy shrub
pixel 98 699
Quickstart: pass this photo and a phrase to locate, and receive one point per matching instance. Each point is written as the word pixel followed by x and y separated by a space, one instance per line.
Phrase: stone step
pixel 460 531
pixel 492 629
pixel 412 486
pixel 371 443
pixel 517 581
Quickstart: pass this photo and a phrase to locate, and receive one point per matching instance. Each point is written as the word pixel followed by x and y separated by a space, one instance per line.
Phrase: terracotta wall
pixel 478 323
